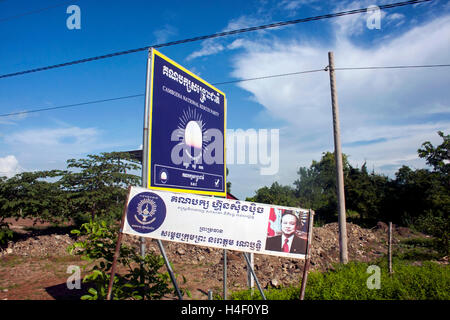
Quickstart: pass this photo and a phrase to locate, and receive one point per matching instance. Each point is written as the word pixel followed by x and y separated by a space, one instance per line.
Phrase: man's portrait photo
pixel 286 231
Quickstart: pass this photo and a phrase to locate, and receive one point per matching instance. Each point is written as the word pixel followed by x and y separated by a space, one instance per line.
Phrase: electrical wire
pixel 229 82
pixel 267 77
pixel 214 35
pixel 393 67
pixel 71 105
pixel 35 11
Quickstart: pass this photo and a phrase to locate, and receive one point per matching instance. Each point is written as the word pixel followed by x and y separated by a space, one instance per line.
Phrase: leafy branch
pixel 140 277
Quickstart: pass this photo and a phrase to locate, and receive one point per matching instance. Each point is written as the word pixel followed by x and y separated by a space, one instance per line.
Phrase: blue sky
pixel 385 114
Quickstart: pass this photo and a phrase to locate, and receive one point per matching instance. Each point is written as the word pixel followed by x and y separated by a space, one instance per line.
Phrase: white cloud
pixel 209 47
pixel 9 166
pixel 396 16
pixel 214 46
pixel 242 22
pixel 396 19
pixel 12 120
pixel 164 34
pixel 392 92
pixel 385 115
pixel 350 24
pixel 49 148
pixel 238 43
pixel 293 6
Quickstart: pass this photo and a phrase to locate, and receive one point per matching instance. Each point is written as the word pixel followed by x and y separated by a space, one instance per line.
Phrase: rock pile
pixel 39 246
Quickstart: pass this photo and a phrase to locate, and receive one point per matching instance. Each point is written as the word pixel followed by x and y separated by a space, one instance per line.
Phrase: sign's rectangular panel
pixel 217 222
pixel 186 131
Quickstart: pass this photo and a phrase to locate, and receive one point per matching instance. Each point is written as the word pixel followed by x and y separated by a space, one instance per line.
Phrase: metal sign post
pixel 308 254
pixel 183 136
pixel 145 154
pixel 250 279
pixel 254 275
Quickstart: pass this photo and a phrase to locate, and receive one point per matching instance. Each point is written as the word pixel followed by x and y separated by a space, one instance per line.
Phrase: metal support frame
pixel 169 269
pixel 250 280
pixel 254 276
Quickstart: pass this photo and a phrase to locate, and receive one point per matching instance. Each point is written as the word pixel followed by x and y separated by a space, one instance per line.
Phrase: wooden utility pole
pixel 339 166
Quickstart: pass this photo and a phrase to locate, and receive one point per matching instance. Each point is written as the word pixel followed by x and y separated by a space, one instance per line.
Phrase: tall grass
pixel 429 281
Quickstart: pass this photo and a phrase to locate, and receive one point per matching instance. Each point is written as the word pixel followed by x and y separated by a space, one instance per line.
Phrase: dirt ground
pixel 36 265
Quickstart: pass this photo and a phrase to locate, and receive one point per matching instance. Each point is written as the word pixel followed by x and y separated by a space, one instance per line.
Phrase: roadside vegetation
pixel 356 281
pixel 141 277
pixel 90 194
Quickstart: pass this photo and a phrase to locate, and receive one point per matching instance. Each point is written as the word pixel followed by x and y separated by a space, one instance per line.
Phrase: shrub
pixel 349 282
pixel 438 227
pixel 142 279
pixel 5 232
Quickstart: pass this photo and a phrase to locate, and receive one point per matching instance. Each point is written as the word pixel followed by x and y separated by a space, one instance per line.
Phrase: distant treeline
pixel 415 198
pixel 90 188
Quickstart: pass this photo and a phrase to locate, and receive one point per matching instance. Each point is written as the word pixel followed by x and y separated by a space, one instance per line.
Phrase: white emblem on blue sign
pixel 145 211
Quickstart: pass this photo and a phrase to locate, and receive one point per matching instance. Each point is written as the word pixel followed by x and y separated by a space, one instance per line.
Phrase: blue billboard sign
pixel 186 131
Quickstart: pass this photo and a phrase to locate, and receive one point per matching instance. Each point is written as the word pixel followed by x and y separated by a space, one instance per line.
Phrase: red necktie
pixel 285 245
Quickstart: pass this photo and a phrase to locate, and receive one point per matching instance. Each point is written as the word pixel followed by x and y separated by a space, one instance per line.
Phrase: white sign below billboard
pixel 217 222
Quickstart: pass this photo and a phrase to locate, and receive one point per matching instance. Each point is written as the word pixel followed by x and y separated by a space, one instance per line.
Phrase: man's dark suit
pixel 298 245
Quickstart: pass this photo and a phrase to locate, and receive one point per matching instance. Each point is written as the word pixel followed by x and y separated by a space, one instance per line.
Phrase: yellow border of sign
pixel 149 169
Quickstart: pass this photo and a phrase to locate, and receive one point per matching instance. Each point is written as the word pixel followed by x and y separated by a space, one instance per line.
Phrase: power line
pixel 267 77
pixel 229 82
pixel 394 67
pixel 71 105
pixel 140 95
pixel 35 11
pixel 214 35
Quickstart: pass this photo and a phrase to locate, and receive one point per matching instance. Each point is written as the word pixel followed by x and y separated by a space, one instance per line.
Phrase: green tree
pixel 5 232
pixel 434 219
pixel 316 186
pixel 365 195
pixel 228 184
pixel 34 194
pixel 437 157
pixel 98 187
pixel 276 194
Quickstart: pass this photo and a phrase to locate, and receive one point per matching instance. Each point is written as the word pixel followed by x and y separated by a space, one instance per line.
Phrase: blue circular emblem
pixel 146 212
